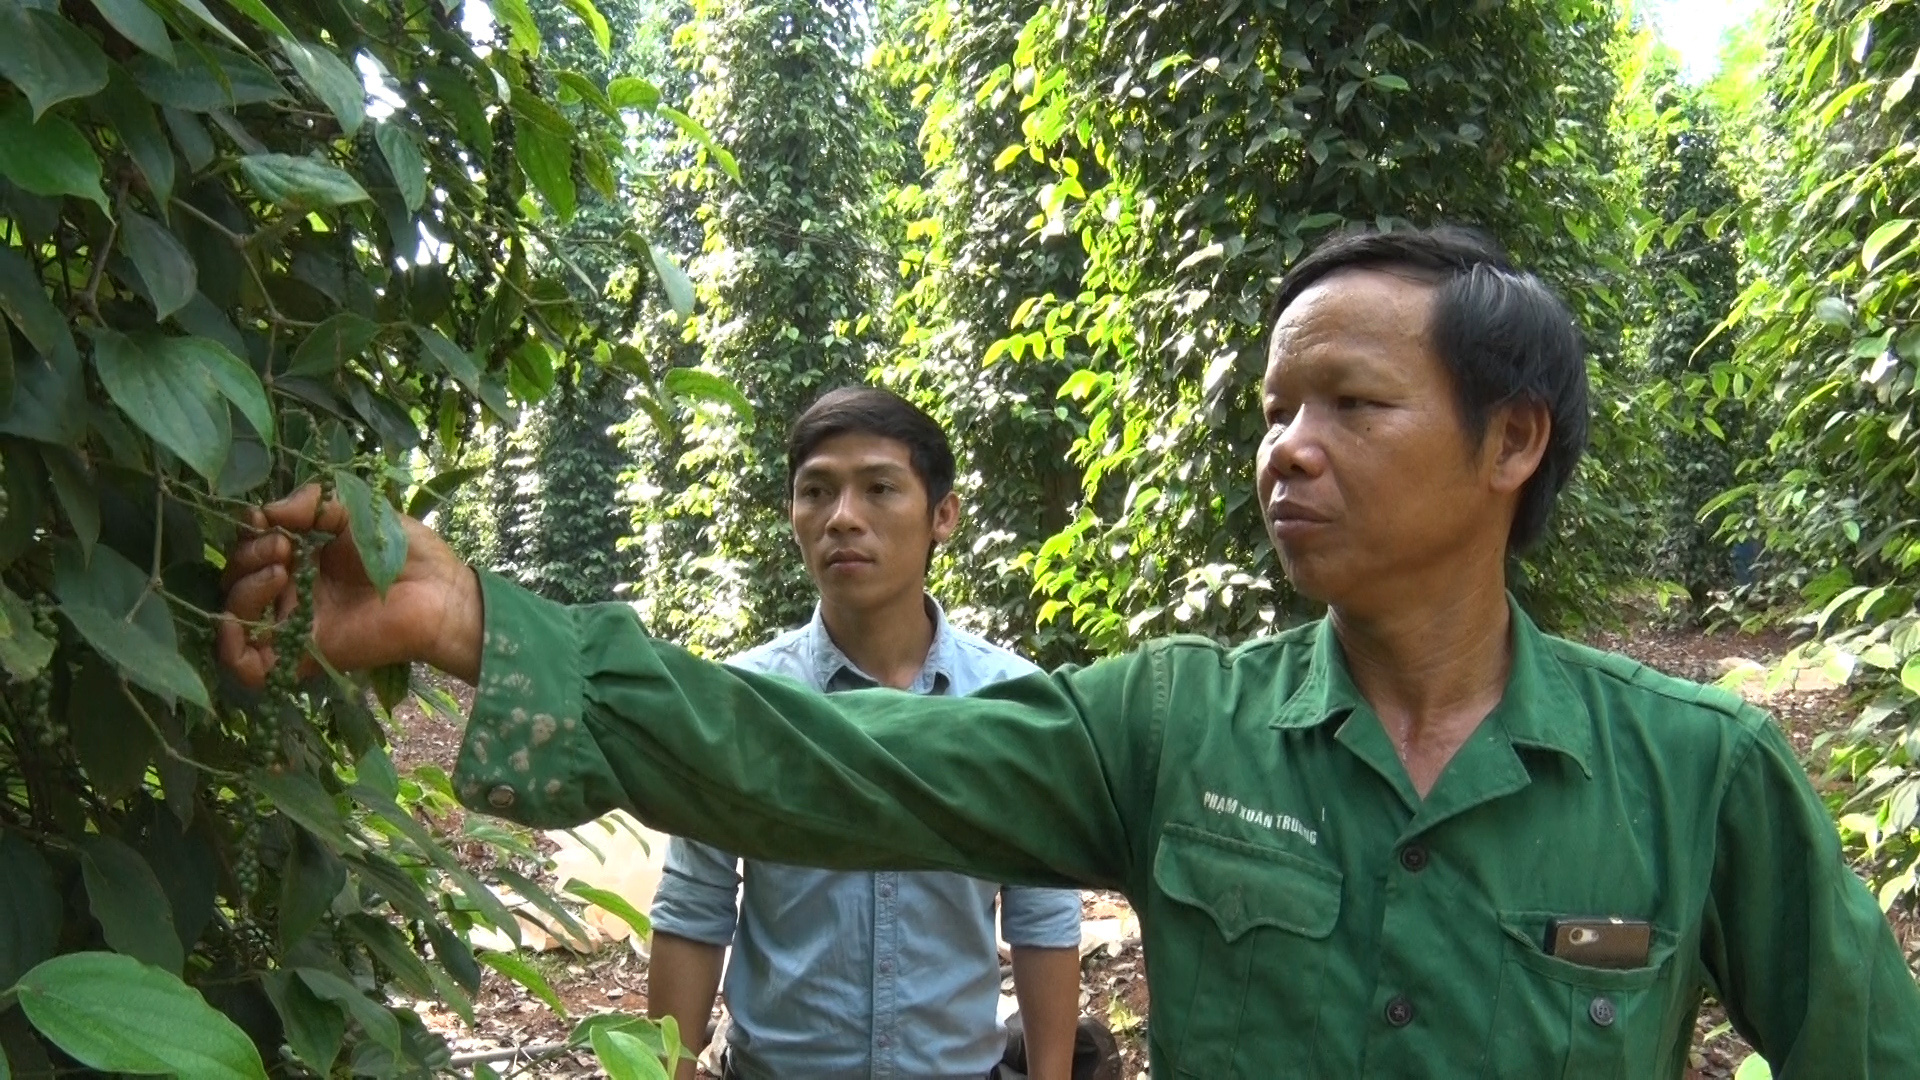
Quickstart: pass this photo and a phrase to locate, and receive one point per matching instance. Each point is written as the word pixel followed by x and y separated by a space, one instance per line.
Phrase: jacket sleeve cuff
pixel 527 755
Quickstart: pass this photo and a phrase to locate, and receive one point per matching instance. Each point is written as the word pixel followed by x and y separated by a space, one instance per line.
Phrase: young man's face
pixel 861 518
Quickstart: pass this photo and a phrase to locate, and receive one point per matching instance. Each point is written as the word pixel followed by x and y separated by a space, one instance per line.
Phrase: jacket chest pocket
pixel 1243 947
pixel 1555 1019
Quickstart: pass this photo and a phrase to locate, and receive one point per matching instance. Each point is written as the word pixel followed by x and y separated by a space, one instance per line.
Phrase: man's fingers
pixel 251 556
pixel 303 512
pixel 250 597
pixel 248 662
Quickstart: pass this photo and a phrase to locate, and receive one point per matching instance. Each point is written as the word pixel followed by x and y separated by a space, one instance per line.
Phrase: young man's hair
pixel 870 410
pixel 1502 333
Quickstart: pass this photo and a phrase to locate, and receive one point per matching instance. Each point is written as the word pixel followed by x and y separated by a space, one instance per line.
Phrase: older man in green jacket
pixel 1416 838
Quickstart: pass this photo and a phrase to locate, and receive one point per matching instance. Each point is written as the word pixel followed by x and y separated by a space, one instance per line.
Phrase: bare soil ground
pixel 1114 976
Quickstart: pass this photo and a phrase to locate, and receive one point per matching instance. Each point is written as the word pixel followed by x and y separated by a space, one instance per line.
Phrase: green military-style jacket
pixel 1305 913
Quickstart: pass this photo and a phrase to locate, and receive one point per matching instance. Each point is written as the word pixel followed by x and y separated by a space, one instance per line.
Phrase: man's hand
pixel 431 614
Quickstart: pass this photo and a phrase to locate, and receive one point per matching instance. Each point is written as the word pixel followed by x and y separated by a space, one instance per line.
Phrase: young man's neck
pixel 889 641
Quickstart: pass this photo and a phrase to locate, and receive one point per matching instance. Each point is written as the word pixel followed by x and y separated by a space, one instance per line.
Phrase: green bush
pixel 246 247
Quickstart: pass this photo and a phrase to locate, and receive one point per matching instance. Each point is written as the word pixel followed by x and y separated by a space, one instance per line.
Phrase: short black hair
pixel 1503 334
pixel 870 410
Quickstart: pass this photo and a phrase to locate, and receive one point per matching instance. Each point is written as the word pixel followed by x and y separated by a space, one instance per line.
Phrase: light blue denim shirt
pixel 840 974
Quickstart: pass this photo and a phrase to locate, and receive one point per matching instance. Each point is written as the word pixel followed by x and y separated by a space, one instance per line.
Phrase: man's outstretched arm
pixel 578 712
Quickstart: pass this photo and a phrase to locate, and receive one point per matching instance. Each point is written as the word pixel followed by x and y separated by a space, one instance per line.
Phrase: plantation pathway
pixel 612 976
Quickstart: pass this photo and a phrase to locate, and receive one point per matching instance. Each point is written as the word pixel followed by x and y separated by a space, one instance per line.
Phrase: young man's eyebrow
pixel 874 468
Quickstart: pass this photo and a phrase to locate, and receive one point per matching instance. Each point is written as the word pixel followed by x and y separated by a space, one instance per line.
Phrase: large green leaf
pixel 332 81
pixel 300 181
pixel 111 583
pixel 673 281
pixel 613 902
pixel 310 879
pixel 112 1012
pixel 522 31
pixel 377 530
pixel 130 113
pixel 262 16
pixel 24 651
pixel 140 658
pixel 625 1057
pixel 596 24
pixel 545 144
pixel 455 955
pixel 1882 238
pixel 637 1026
pixel 454 96
pixel 539 897
pixel 127 900
pixel 199 8
pixel 698 385
pixel 633 92
pixel 49 402
pixel 694 130
pixel 376 1021
pixel 186 862
pixel 210 80
pixel 111 740
pixel 450 357
pixel 437 490
pixel 78 492
pixel 237 382
pixel 164 263
pixel 168 394
pixel 30 909
pixel 395 885
pixel 390 948
pixel 314 1027
pixel 139 24
pixel 524 973
pixel 586 90
pixel 48 156
pixel 482 898
pixel 191 136
pixel 109 601
pixel 404 162
pixel 47 57
pixel 24 300
pixel 300 796
pixel 342 337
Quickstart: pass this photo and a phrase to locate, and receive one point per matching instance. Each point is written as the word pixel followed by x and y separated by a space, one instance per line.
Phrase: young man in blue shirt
pixel 862 974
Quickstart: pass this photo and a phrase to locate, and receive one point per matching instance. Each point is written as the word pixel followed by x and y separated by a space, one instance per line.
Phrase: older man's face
pixel 1368 480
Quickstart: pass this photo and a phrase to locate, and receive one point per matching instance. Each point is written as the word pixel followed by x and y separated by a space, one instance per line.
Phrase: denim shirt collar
pixel 832 668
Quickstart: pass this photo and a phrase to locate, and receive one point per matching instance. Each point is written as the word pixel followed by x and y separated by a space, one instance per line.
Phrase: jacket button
pixel 1414 858
pixel 1400 1012
pixel 1601 1011
pixel 500 797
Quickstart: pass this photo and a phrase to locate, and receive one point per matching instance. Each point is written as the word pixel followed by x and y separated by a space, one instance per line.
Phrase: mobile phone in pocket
pixel 1600 942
